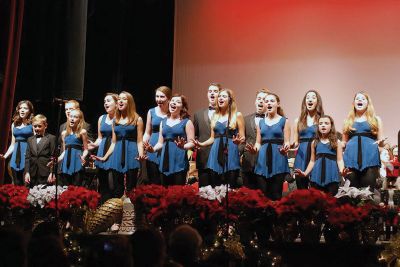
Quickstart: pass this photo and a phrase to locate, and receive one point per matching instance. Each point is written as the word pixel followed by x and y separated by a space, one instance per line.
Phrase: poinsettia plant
pixel 14 196
pixel 76 197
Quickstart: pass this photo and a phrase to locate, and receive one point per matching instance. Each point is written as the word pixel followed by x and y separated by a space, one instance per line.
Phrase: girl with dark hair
pixel 21 130
pixel 126 148
pixel 326 162
pixel 362 134
pixel 176 132
pixel 75 149
pixel 154 118
pixel 103 142
pixel 272 143
pixel 305 129
pixel 224 158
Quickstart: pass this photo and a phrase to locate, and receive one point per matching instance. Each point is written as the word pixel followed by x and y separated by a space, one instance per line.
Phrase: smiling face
pixel 360 102
pixel 74 118
pixel 122 102
pixel 161 98
pixel 175 105
pixel 311 101
pixel 324 125
pixel 260 103
pixel 212 95
pixel 23 111
pixel 271 104
pixel 109 104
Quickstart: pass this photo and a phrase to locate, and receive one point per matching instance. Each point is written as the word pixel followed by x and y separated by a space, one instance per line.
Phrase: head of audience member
pixel 184 245
pixel 109 251
pixel 12 248
pixel 212 94
pixel 39 123
pixel 69 106
pixel 46 251
pixel 46 229
pixel 148 248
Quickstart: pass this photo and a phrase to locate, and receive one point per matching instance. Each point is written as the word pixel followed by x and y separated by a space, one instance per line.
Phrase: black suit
pixel 202 129
pixel 37 156
pixel 249 159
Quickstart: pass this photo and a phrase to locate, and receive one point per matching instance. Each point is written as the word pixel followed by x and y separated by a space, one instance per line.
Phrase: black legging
pixel 18 177
pixel 230 177
pixel 271 187
pixel 204 177
pixel 178 178
pixel 249 180
pixel 364 178
pixel 106 182
pixel 302 182
pixel 153 173
pixel 118 187
pixel 331 188
pixel 74 179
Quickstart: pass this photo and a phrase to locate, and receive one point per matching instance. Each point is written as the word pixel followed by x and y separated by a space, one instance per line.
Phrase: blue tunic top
pixel 176 160
pixel 125 151
pixel 303 151
pixel 233 159
pixel 369 150
pixel 21 135
pixel 72 153
pixel 155 130
pixel 279 162
pixel 331 168
pixel 106 133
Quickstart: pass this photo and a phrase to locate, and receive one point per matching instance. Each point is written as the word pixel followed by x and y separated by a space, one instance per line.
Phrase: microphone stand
pixel 224 169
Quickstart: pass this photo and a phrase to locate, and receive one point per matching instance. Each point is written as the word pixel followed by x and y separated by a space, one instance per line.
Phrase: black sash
pixel 308 155
pixel 155 128
pixel 221 148
pixel 268 155
pixel 123 152
pixel 324 156
pixel 359 147
pixel 106 145
pixel 165 166
pixel 19 155
pixel 68 151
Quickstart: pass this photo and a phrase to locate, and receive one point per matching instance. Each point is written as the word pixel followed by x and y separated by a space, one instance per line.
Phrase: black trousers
pixel 249 180
pixel 302 182
pixel 229 177
pixel 18 177
pixel 271 187
pixel 364 178
pixel 331 188
pixel 120 183
pixel 204 177
pixel 178 178
pixel 74 179
pixel 153 173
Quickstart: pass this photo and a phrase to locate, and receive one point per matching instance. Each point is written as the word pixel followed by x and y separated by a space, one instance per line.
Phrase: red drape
pixel 10 74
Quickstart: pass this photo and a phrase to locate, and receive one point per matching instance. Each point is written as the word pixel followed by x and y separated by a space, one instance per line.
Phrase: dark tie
pixel 211 108
pixel 260 115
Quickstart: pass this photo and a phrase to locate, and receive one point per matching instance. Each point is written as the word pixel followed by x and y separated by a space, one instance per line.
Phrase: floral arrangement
pixel 216 193
pixel 14 196
pixel 76 197
pixel 354 193
pixel 346 215
pixel 42 195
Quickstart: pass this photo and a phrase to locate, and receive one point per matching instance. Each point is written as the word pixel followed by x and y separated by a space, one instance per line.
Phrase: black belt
pixel 359 147
pixel 123 152
pixel 324 156
pixel 165 166
pixel 308 155
pixel 155 129
pixel 18 155
pixel 221 148
pixel 106 145
pixel 268 155
pixel 68 149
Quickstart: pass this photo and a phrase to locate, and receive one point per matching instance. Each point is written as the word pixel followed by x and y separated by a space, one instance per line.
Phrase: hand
pixel 91 145
pixel 52 178
pixel 27 178
pixel 180 142
pixel 83 160
pixel 196 143
pixel 2 156
pixel 94 157
pixel 250 148
pixel 295 145
pixel 381 142
pixel 142 157
pixel 50 164
pixel 300 173
pixel 148 147
pixel 345 172
pixel 237 139
pixel 284 149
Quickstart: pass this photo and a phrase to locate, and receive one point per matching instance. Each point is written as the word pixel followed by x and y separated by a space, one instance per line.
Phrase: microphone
pixel 59 100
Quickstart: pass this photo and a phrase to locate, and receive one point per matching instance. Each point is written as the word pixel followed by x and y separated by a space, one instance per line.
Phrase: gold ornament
pixel 105 216
pixel 128 218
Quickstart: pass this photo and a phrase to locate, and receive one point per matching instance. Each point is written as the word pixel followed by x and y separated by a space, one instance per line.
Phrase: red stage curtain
pixel 16 14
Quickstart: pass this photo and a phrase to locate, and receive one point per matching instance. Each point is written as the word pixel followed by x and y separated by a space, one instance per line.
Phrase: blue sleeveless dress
pixel 155 131
pixel 106 133
pixel 21 135
pixel 272 138
pixel 304 150
pixel 126 150
pixel 367 154
pixel 326 172
pixel 232 161
pixel 173 159
pixel 72 163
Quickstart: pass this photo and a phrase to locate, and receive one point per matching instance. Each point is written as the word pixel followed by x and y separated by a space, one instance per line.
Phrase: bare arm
pixel 60 158
pixel 339 152
pixel 148 131
pixel 209 141
pixel 295 133
pixel 286 134
pixel 160 142
pixel 189 128
pixel 84 137
pixel 312 160
pixel 140 136
pixel 112 145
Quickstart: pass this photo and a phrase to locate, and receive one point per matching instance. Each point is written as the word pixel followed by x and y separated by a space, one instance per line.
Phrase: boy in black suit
pixel 40 148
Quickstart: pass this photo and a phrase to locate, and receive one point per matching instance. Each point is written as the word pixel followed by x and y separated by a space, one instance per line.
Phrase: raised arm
pixel 148 131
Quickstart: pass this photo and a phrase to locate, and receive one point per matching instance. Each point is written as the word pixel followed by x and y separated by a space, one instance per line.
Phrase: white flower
pixel 347 190
pixel 210 193
pixel 42 194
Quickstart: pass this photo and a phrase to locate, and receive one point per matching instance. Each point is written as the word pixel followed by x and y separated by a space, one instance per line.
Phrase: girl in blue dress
pixel 326 163
pixel 103 142
pixel 305 129
pixel 21 129
pixel 224 158
pixel 272 145
pixel 177 133
pixel 75 149
pixel 362 135
pixel 154 118
pixel 126 150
